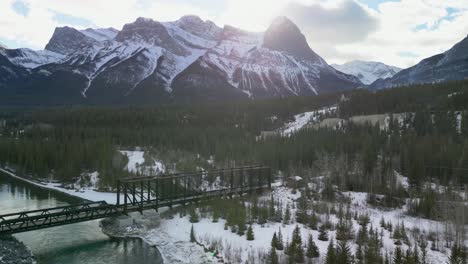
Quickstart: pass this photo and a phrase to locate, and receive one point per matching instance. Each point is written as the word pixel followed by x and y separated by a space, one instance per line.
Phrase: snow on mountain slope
pixel 30 58
pixel 450 65
pixel 228 53
pixel 193 57
pixel 367 71
pixel 100 34
pixel 278 62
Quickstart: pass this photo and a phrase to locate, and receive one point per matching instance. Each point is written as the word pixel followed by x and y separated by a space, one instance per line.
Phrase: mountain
pixel 158 62
pixel 367 71
pixel 450 65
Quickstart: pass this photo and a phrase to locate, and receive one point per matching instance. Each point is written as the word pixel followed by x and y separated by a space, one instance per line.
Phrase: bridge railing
pixel 31 220
pixel 179 188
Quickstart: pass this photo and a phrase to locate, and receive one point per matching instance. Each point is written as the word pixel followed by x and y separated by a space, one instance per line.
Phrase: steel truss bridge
pixel 143 193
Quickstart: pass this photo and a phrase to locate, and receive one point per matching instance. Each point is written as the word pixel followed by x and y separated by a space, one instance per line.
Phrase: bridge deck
pixel 57 216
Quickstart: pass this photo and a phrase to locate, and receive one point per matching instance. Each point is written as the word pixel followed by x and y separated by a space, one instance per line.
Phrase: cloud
pixel 346 23
pixel 395 37
pixel 339 30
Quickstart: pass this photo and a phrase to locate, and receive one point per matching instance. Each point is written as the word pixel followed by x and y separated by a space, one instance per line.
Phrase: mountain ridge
pixel 449 65
pixel 367 71
pixel 151 62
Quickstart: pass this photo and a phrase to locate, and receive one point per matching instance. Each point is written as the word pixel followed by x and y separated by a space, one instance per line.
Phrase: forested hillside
pixel 434 133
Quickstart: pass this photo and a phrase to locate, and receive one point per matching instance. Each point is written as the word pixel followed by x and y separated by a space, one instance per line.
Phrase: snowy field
pixel 172 235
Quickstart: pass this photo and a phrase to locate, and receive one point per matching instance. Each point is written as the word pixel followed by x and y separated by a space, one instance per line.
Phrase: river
pixel 76 243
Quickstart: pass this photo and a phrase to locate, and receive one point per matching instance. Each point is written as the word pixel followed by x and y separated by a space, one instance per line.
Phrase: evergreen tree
pixel 416 254
pixel 313 221
pixel 331 254
pixel 408 258
pixel 398 256
pixel 301 211
pixel 271 209
pixel 343 253
pixel 323 235
pixel 312 249
pixel 423 244
pixel 362 236
pixel 274 241
pixel 296 250
pixel 287 216
pixel 194 216
pixel 372 248
pixel 280 245
pixel 250 233
pixel 273 257
pixel 458 255
pixel 359 255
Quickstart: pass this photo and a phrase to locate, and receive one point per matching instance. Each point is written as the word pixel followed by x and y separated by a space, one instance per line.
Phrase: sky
pixel 395 32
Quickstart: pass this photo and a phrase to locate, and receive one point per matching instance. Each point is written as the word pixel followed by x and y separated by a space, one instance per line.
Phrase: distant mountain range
pixel 181 61
pixel 450 65
pixel 367 71
pixel 150 62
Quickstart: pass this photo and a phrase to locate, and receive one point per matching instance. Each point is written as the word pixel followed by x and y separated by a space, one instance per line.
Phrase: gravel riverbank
pixel 13 251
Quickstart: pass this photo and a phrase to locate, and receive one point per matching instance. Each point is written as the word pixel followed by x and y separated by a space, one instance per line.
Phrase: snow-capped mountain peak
pixel 187 59
pixel 368 71
pixel 284 35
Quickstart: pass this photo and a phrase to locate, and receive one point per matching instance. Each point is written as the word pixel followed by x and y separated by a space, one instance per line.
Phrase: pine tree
pixel 362 236
pixel 343 253
pixel 331 254
pixel 250 233
pixel 323 235
pixel 313 221
pixel 194 216
pixel 297 245
pixel 359 255
pixel 312 249
pixel 398 256
pixel 416 254
pixel 408 258
pixel 423 244
pixel 287 216
pixel 274 241
pixel 193 239
pixel 458 255
pixel 382 222
pixel 273 257
pixel 280 245
pixel 301 212
pixel 271 209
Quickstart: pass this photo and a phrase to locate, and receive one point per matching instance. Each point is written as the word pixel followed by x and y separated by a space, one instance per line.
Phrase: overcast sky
pixel 396 32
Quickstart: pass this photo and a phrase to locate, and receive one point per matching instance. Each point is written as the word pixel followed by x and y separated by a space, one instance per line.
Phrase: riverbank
pixel 131 250
pixel 84 193
pixel 152 229
pixel 13 251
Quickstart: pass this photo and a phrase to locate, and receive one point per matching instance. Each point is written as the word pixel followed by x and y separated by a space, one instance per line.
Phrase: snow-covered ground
pixel 303 119
pixel 172 235
pixel 137 163
pixel 87 193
